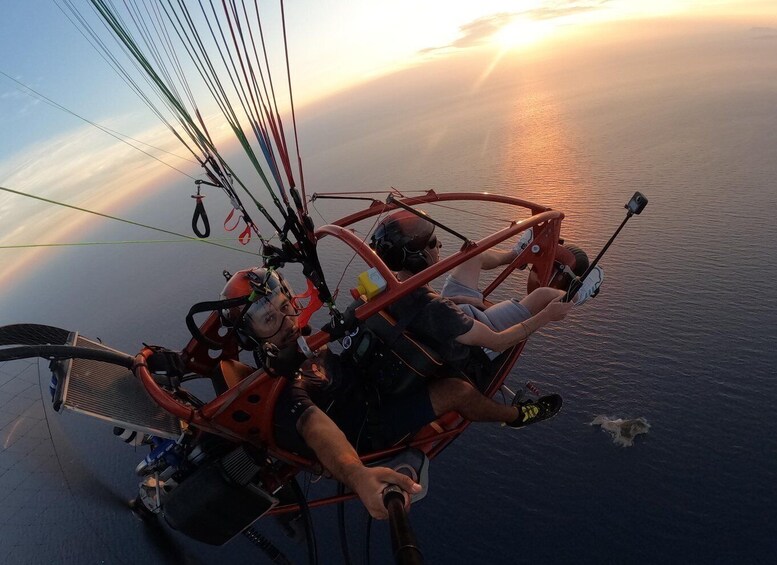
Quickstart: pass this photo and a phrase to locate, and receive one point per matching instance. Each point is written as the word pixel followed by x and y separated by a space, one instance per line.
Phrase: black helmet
pixel 402 241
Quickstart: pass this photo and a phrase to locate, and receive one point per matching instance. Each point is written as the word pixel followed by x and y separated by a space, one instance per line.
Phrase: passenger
pixel 327 413
pixel 407 244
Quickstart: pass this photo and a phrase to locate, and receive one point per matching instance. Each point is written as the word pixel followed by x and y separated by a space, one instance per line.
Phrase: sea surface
pixel 682 334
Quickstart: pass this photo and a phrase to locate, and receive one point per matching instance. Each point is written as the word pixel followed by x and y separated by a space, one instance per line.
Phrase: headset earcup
pixel 392 256
pixel 415 261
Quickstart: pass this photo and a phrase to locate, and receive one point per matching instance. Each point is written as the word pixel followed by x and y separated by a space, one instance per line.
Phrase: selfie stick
pixel 633 206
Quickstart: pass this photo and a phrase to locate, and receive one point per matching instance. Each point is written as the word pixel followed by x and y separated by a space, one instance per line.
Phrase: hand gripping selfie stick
pixel 403 542
pixel 414 464
pixel 633 206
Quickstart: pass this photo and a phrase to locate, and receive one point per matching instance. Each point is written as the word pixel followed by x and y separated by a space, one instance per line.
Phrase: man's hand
pixel 339 457
pixel 368 483
pixel 282 362
pixel 479 304
pixel 557 310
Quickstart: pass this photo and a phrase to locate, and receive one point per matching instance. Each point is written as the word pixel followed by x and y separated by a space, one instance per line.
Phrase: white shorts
pixel 498 317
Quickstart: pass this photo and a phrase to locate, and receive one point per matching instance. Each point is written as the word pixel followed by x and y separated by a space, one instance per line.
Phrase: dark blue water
pixel 682 333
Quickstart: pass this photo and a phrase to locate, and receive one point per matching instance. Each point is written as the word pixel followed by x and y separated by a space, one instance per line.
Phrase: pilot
pixel 326 412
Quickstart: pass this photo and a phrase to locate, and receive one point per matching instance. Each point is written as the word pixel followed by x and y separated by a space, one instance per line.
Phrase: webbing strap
pixel 391 335
pixel 200 215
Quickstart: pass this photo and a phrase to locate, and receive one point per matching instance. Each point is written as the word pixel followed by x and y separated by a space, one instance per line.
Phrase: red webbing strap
pixel 313 305
pixel 230 225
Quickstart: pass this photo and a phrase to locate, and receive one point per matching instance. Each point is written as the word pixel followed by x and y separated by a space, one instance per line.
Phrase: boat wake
pixel 622 431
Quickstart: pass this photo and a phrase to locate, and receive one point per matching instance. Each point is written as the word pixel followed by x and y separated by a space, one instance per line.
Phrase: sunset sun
pixel 523 32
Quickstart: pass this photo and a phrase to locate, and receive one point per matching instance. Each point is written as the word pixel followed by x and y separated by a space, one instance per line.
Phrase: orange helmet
pixel 270 300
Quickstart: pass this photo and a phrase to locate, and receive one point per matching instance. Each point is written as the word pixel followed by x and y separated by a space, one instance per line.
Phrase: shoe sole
pixel 553 402
pixel 593 294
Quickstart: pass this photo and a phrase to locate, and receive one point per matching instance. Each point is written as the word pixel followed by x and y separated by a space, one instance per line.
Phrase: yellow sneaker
pixel 532 411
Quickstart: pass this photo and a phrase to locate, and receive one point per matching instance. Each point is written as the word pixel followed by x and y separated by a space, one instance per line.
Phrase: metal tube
pixel 403 542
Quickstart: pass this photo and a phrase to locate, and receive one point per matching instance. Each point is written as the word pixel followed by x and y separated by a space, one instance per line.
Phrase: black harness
pixel 391 362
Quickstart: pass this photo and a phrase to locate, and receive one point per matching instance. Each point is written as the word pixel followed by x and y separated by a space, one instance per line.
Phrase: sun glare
pixel 523 32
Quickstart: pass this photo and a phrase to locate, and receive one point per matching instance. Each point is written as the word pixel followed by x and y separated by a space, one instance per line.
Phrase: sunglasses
pixel 433 242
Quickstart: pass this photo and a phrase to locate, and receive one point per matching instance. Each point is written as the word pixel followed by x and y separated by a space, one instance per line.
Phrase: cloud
pixel 22 106
pixel 11 95
pixel 16 103
pixel 552 10
pixel 763 33
pixel 82 167
pixel 480 31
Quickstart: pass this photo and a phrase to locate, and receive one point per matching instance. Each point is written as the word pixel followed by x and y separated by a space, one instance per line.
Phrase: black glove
pixel 165 361
pixel 282 362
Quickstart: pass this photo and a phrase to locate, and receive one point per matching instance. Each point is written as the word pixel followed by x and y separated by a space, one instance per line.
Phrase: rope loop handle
pixel 200 216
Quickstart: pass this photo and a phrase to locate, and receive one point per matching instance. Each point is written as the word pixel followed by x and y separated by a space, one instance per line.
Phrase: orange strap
pixel 313 305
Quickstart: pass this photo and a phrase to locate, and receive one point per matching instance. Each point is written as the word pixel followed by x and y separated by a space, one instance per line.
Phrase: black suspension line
pixel 205 67
pixel 113 133
pixel 159 65
pixel 109 217
pixel 98 44
pixel 178 108
pixel 238 131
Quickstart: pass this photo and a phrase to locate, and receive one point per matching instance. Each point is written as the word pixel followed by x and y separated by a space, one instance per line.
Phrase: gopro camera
pixel 637 203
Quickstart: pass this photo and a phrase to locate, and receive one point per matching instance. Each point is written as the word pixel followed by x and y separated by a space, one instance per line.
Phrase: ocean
pixel 682 333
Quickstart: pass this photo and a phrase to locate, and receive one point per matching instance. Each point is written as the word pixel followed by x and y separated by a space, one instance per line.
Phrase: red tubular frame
pixel 257 395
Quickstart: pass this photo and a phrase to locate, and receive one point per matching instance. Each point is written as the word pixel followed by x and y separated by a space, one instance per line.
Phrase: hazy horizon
pixel 692 52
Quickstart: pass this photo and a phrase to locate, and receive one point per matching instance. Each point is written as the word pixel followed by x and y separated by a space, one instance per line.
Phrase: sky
pixel 334 45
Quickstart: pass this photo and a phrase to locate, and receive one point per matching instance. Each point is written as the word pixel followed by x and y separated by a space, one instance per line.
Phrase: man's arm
pixel 493 258
pixel 334 452
pixel 483 336
pixel 468 273
pixel 467 300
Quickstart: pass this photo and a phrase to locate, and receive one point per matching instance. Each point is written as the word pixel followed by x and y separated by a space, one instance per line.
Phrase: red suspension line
pixel 293 116
pixel 262 116
pixel 274 117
